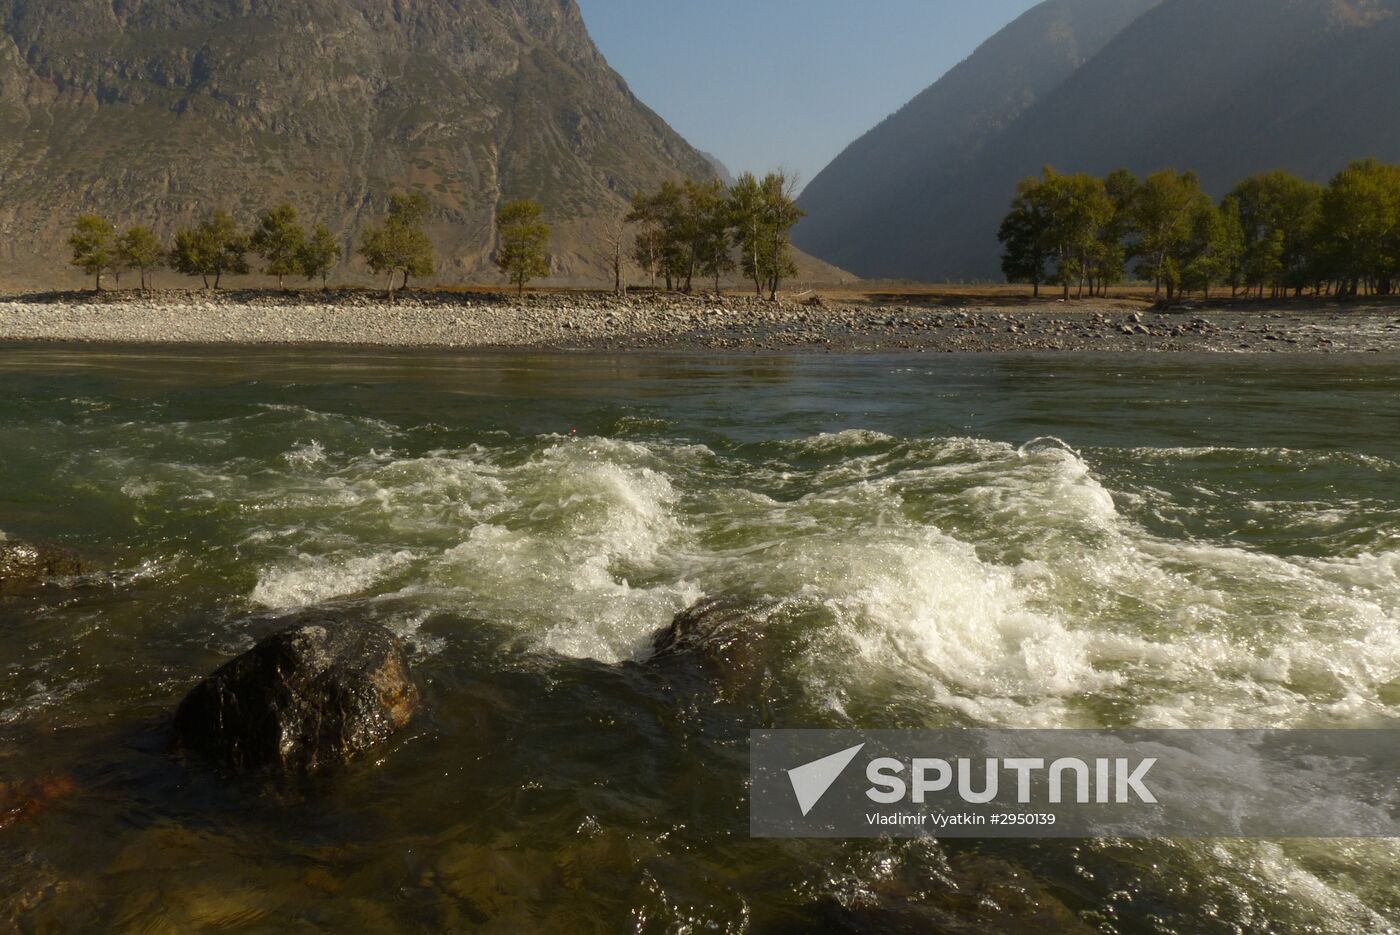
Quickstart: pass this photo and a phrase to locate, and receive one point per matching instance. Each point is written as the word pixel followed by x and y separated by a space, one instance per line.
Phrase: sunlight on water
pixel 924 558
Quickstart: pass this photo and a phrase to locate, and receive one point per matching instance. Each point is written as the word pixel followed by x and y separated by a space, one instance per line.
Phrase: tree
pixel 649 250
pixel 1111 253
pixel 524 242
pixel 1234 243
pixel 1057 218
pixel 780 201
pixel 400 245
pixel 1163 209
pixel 1278 217
pixel 748 217
pixel 213 248
pixel 1358 229
pixel 319 255
pixel 1076 208
pixel 762 214
pixel 667 244
pixel 1024 237
pixel 1207 253
pixel 140 250
pixel 94 243
pixel 708 203
pixel 615 253
pixel 279 240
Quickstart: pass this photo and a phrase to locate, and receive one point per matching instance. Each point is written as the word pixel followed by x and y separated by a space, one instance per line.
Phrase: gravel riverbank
pixel 592 321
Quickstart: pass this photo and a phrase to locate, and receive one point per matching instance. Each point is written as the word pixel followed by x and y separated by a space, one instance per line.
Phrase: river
pixel 943 541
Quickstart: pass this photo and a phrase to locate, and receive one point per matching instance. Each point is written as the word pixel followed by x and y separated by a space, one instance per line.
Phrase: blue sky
pixel 768 83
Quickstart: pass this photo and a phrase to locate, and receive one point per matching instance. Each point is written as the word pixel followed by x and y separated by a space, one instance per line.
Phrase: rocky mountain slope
pixel 1223 88
pixel 159 110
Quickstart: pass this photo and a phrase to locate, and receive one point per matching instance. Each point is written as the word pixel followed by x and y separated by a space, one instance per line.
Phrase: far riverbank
pixel 593 321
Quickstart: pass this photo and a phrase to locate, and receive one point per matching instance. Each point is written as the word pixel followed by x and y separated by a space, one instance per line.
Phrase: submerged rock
pixel 25 565
pixel 729 639
pixel 305 699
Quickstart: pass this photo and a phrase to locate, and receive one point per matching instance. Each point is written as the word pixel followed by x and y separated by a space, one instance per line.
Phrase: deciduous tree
pixel 139 249
pixel 94 245
pixel 279 240
pixel 523 251
pixel 319 255
pixel 400 245
pixel 1163 210
pixel 212 248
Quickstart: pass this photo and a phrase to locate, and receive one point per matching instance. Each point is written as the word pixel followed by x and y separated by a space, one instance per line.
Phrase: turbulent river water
pixel 1023 541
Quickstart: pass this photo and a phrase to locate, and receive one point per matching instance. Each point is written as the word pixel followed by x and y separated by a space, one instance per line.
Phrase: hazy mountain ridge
pixel 157 110
pixel 913 154
pixel 1226 89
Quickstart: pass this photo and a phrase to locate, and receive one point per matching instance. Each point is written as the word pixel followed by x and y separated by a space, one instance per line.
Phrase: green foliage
pixel 1278 217
pixel 1025 237
pixel 213 248
pixel 762 215
pixel 94 245
pixel 279 240
pixel 319 255
pixel 1060 220
pixel 139 249
pixel 691 228
pixel 1273 231
pixel 524 242
pixel 400 245
pixel 1358 231
pixel 1210 251
pixel 1163 211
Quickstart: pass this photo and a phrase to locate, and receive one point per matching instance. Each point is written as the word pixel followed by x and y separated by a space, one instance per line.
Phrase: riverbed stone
pixel 727 638
pixel 25 565
pixel 308 698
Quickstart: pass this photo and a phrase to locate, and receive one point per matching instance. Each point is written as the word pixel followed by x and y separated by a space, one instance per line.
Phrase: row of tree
pixel 398 246
pixel 691 229
pixel 1273 232
pixel 682 231
pixel 211 249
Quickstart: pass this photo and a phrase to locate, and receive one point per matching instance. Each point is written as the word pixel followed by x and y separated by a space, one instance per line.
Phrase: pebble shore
pixel 579 321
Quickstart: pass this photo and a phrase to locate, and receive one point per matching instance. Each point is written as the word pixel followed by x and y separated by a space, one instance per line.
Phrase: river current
pixel 941 541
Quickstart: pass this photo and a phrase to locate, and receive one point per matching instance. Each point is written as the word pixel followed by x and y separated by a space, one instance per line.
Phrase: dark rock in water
pixel 302 700
pixel 28 564
pixel 729 639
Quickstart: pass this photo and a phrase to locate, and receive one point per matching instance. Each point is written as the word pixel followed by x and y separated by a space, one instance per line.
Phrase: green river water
pixel 1021 541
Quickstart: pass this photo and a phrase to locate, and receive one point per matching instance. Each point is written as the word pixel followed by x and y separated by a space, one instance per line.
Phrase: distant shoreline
pixel 603 322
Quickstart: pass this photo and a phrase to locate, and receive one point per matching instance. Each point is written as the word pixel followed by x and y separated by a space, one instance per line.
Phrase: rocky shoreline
pixel 592 321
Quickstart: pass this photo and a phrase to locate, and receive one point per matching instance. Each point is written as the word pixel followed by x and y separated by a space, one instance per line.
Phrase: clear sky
pixel 769 83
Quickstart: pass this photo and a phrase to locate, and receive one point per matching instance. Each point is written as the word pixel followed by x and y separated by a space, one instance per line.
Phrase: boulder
pixel 25 565
pixel 308 698
pixel 727 638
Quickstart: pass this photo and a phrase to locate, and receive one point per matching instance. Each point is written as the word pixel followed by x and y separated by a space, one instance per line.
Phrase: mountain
pixel 1226 89
pixel 859 207
pixel 159 110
